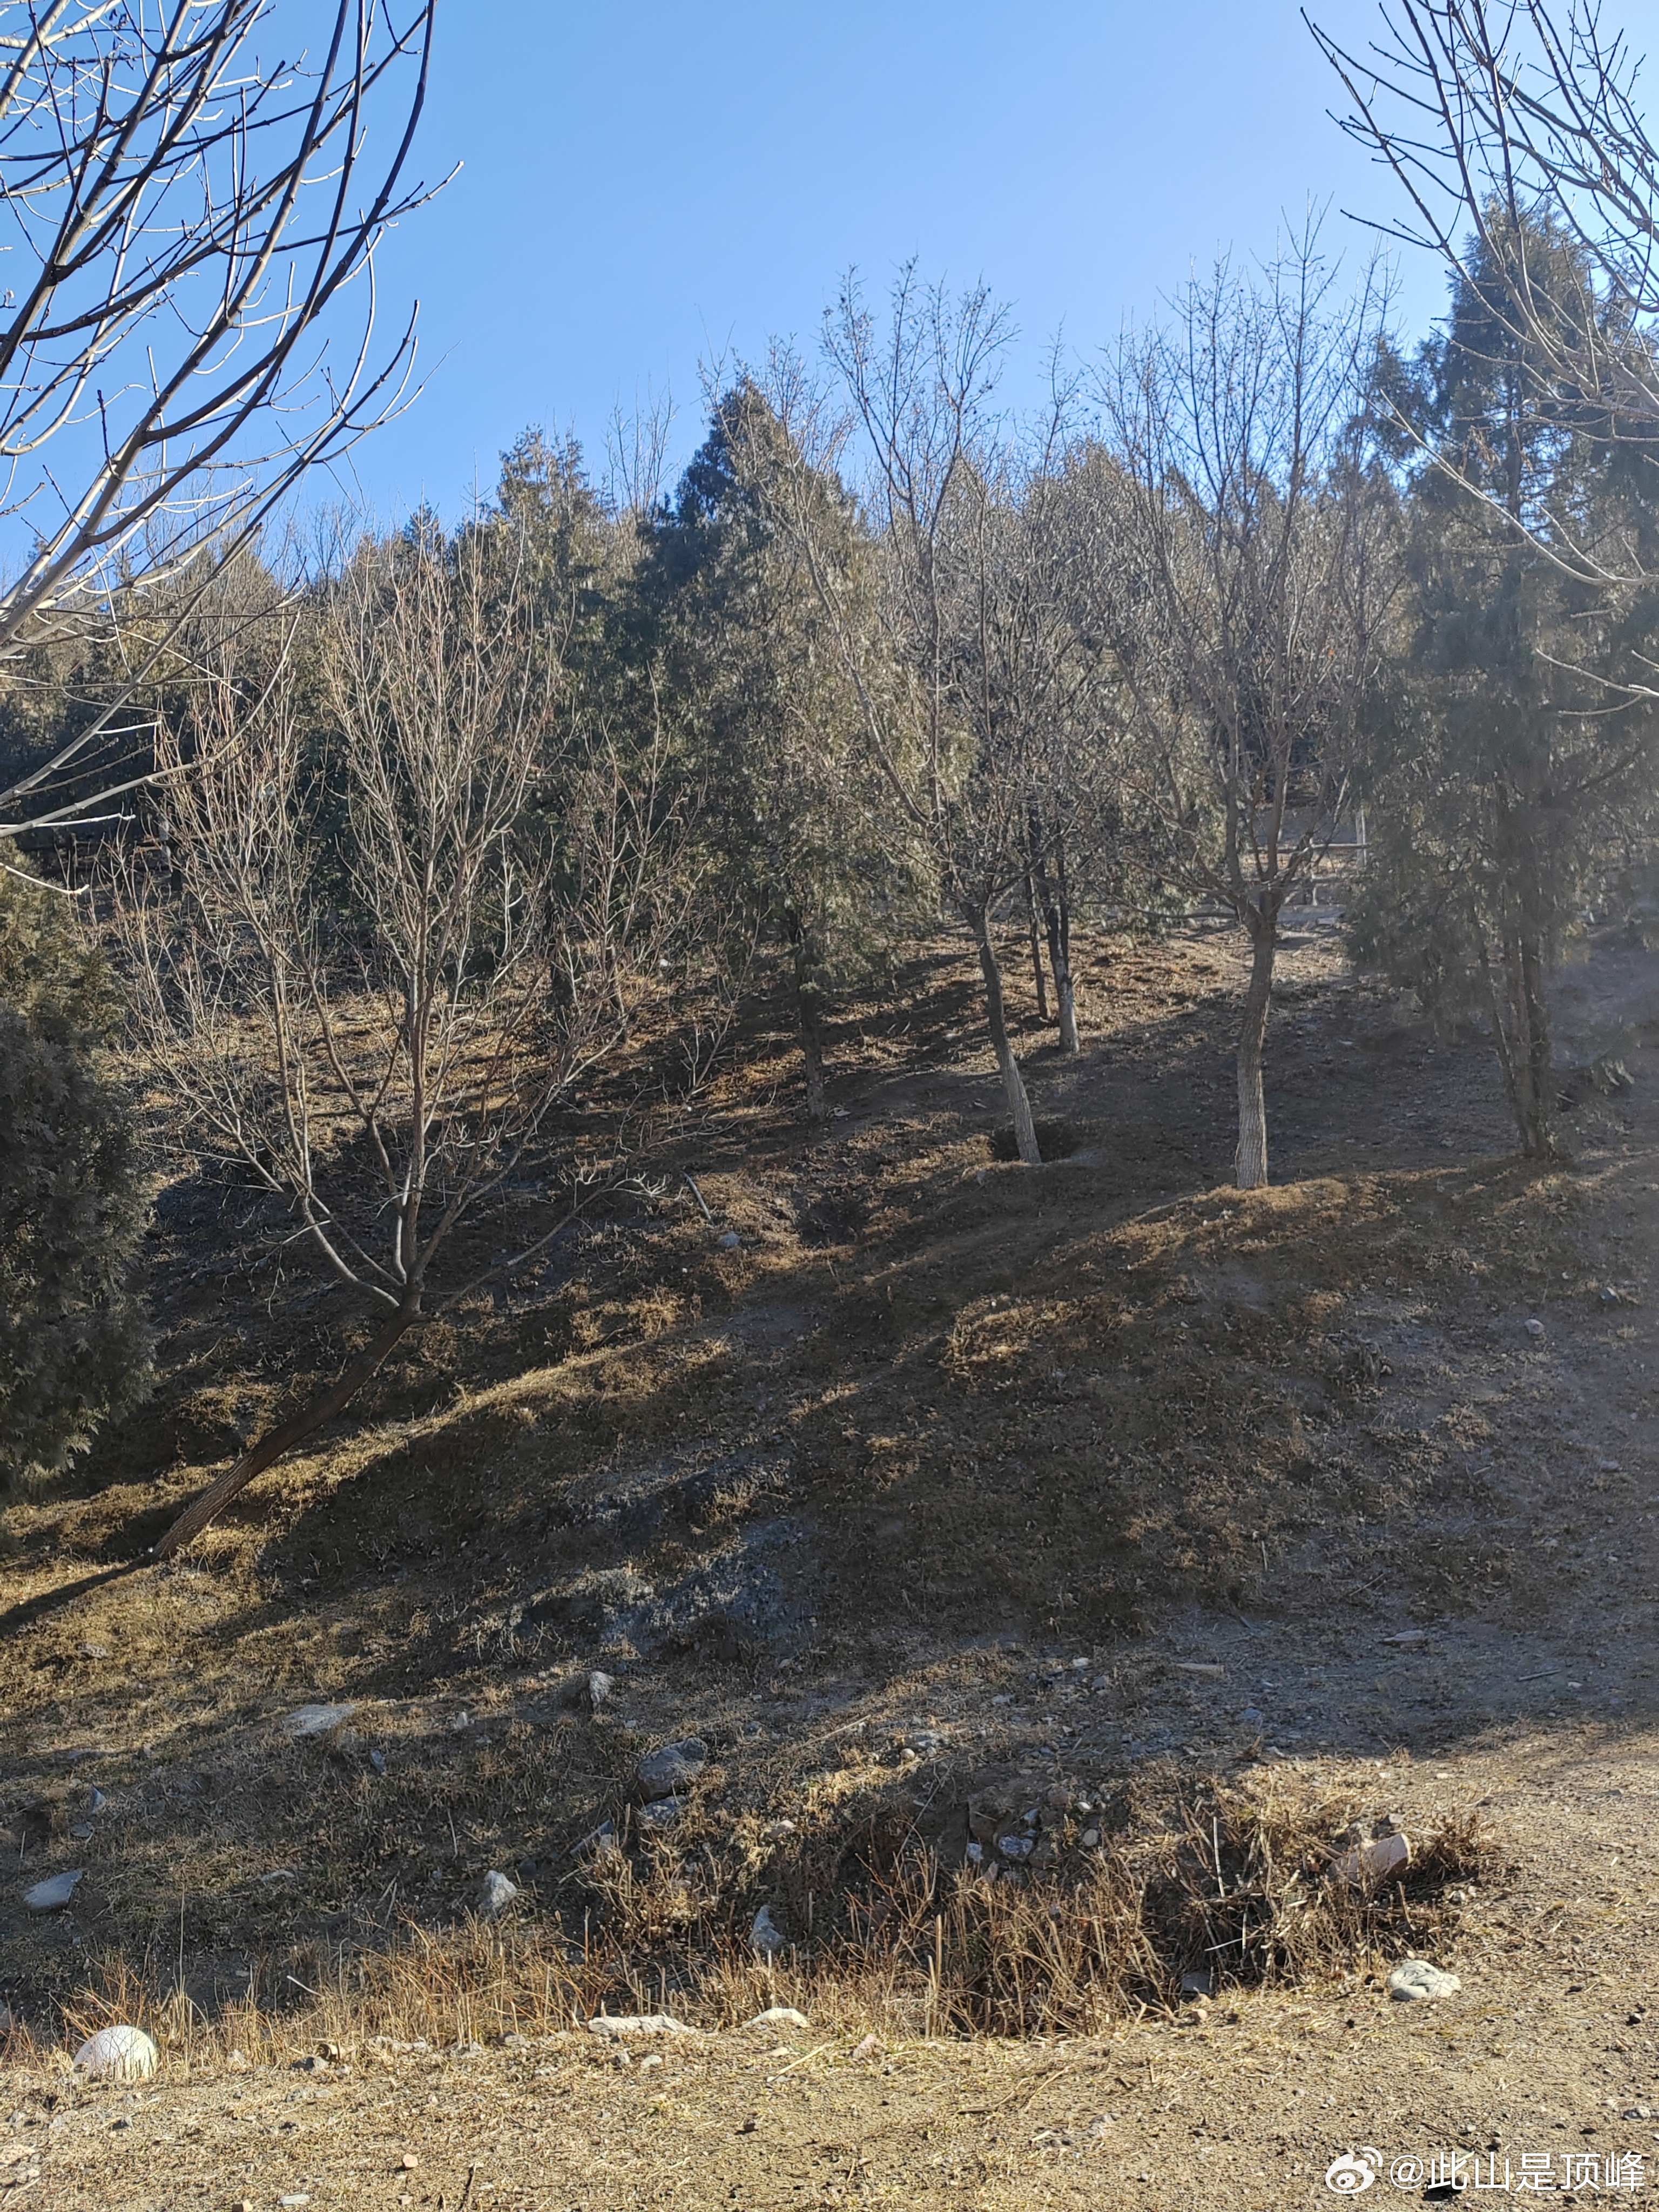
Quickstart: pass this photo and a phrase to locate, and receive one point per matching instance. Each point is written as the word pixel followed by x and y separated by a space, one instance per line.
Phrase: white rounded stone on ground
pixel 118 2054
pixel 307 1723
pixel 778 2016
pixel 1414 1979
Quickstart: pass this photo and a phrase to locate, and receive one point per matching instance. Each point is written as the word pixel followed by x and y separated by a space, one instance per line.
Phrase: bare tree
pixel 1513 127
pixel 1249 596
pixel 383 972
pixel 181 216
pixel 954 641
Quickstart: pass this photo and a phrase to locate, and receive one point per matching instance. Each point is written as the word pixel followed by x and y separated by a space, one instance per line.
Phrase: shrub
pixel 75 1343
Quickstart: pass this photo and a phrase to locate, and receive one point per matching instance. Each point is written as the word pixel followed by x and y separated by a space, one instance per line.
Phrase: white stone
pixel 54 1893
pixel 118 2054
pixel 1414 1979
pixel 307 1723
pixel 766 1936
pixel 1376 1861
pixel 778 2016
pixel 617 2025
pixel 497 1891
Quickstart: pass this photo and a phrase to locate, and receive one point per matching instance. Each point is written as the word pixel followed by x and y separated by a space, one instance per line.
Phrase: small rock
pixel 1375 1860
pixel 513 2041
pixel 53 1895
pixel 618 2026
pixel 1252 1716
pixel 80 1833
pixel 867 2048
pixel 99 1800
pixel 766 1936
pixel 1413 1980
pixel 95 1651
pixel 730 1241
pixel 778 2016
pixel 376 1760
pixel 118 2054
pixel 8 2020
pixel 1199 1984
pixel 1016 1847
pixel 1090 1837
pixel 409 2163
pixel 1199 1667
pixel 466 2050
pixel 1535 1329
pixel 236 2062
pixel 775 1831
pixel 672 1766
pixel 659 1812
pixel 599 1843
pixel 1058 1799
pixel 1640 2112
pixel 292 2204
pixel 599 1686
pixel 307 1723
pixel 496 1892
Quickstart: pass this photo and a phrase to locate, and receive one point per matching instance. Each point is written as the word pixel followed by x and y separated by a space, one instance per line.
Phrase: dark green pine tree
pixel 1519 740
pixel 801 835
pixel 75 1342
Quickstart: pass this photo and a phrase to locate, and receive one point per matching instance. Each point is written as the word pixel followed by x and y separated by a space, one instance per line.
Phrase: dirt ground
pixel 944 1479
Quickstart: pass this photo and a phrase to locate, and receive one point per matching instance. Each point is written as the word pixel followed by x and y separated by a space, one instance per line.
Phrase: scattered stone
pixel 599 1686
pixel 1375 1860
pixel 778 2016
pixel 1252 1716
pixel 730 1241
pixel 775 1831
pixel 496 1892
pixel 1535 1329
pixel 236 2062
pixel 99 1800
pixel 659 1812
pixel 766 1936
pixel 618 2026
pixel 118 2054
pixel 376 1760
pixel 292 2204
pixel 672 1766
pixel 1199 1667
pixel 926 1743
pixel 95 1651
pixel 1016 1847
pixel 54 1893
pixel 307 1723
pixel 466 2050
pixel 1414 1979
pixel 1199 1984
pixel 1091 1839
pixel 599 1843
pixel 80 1833
pixel 867 2048
pixel 409 2163
pixel 513 2041
pixel 1640 2112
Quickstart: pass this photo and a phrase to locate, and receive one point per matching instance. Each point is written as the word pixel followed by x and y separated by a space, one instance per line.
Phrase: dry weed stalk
pixel 1242 1889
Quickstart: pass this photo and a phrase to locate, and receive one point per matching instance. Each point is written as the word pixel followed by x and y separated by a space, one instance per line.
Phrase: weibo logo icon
pixel 1352 2174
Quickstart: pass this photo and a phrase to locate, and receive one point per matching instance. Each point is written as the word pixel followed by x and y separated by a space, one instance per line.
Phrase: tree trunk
pixel 1038 977
pixel 294 1431
pixel 1056 898
pixel 1251 1172
pixel 1013 1084
pixel 1537 1131
pixel 809 1007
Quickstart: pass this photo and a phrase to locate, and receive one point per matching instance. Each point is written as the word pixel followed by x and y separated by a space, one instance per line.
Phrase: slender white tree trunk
pixel 1013 1084
pixel 1251 1173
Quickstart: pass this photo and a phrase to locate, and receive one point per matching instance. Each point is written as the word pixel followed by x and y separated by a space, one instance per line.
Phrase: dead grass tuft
pixel 1244 1891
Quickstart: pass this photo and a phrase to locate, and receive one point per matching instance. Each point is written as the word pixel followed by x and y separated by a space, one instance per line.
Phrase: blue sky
pixel 651 183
